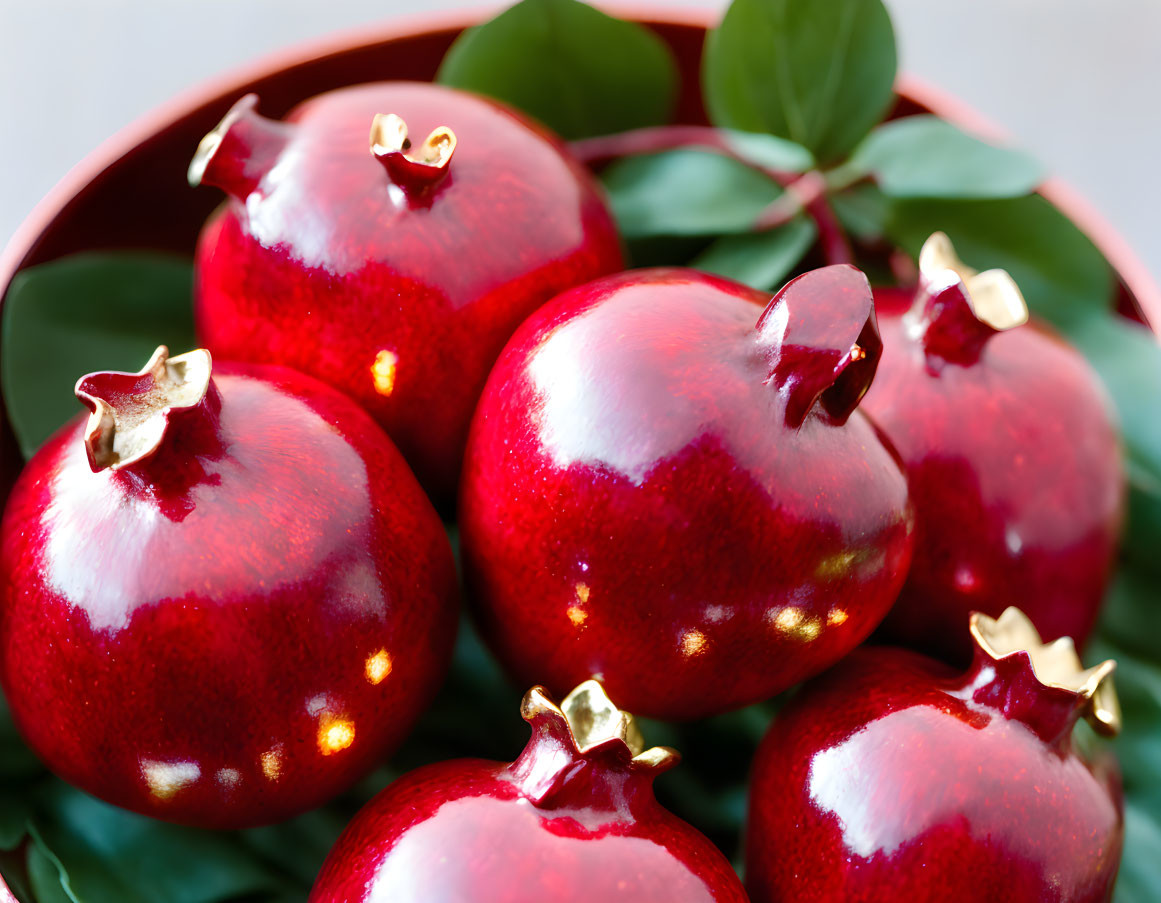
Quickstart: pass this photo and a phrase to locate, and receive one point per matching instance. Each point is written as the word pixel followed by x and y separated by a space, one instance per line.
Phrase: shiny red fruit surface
pixel 394 279
pixel 669 488
pixel 572 820
pixel 1014 464
pixel 893 778
pixel 236 627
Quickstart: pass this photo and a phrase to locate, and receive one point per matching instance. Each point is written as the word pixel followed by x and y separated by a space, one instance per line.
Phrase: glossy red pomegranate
pixel 572 820
pixel 1013 458
pixel 669 488
pixel 224 599
pixel 392 271
pixel 893 778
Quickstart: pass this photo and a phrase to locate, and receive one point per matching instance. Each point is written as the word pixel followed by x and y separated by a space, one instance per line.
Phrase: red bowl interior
pixel 131 192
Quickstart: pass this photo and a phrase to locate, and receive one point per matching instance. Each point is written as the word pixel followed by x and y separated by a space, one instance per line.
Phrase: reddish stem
pixel 804 193
pixel 595 152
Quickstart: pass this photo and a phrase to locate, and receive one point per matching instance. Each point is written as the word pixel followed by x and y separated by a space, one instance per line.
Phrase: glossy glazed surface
pixel 237 628
pixel 638 504
pixel 556 826
pixel 322 262
pixel 1016 477
pixel 891 778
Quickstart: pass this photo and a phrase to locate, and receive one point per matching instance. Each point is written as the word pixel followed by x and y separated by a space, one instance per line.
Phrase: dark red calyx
pixel 1043 685
pixel 956 309
pixel 416 170
pixel 130 412
pixel 240 151
pixel 823 342
pixel 585 751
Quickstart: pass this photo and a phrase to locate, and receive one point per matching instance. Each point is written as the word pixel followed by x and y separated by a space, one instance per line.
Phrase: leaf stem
pixel 595 152
pixel 806 193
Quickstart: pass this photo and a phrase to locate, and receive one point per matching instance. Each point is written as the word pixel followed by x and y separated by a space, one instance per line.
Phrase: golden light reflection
pixel 836 617
pixel 576 612
pixel 335 735
pixel 693 642
pixel 272 764
pixel 378 667
pixel 383 371
pixel 165 779
pixel 795 623
pixel 786 619
pixel 837 565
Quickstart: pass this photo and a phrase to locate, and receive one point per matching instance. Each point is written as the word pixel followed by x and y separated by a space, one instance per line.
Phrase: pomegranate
pixel 392 270
pixel 892 777
pixel 572 820
pixel 225 597
pixel 668 487
pixel 1012 454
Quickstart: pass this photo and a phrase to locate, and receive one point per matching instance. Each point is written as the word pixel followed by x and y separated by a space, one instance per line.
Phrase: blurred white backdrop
pixel 1073 81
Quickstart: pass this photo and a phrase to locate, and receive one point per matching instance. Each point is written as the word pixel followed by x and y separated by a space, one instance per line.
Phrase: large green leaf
pixel 686 192
pixel 1140 875
pixel 1128 359
pixel 1061 273
pixel 928 157
pixel 576 69
pixel 761 260
pixel 113 856
pixel 87 312
pixel 819 73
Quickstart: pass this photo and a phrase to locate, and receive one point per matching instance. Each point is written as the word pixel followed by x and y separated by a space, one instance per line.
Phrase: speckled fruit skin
pixel 555 826
pixel 237 628
pixel 321 261
pixel 664 495
pixel 893 778
pixel 1015 471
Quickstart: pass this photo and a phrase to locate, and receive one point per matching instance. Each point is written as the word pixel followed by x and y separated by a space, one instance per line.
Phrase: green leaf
pixel 761 260
pixel 13 820
pixel 928 157
pixel 50 882
pixel 819 73
pixel 16 760
pixel 1061 273
pixel 863 211
pixel 1143 530
pixel 686 192
pixel 574 68
pixel 105 311
pixel 1128 359
pixel 1140 874
pixel 1127 633
pixel 768 151
pixel 113 856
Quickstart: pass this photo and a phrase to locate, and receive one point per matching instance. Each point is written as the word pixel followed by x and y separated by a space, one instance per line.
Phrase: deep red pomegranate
pixel 224 599
pixel 670 489
pixel 893 778
pixel 392 271
pixel 572 820
pixel 1013 459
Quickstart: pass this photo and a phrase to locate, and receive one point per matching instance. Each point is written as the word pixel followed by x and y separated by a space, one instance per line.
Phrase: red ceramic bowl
pixel 93 205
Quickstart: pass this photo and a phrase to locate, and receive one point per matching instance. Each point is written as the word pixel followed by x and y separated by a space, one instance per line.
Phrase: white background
pixel 1078 82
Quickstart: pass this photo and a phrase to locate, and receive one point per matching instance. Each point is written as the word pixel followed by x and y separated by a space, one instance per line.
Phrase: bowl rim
pixel 1140 282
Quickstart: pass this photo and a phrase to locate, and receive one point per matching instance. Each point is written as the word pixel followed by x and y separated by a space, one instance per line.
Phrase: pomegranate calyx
pixel 414 169
pixel 1056 665
pixel 957 309
pixel 239 151
pixel 130 411
pixel 593 723
pixel 823 342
